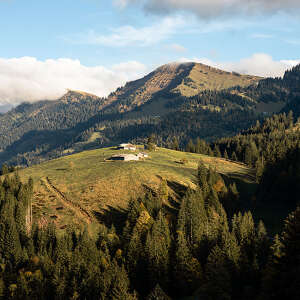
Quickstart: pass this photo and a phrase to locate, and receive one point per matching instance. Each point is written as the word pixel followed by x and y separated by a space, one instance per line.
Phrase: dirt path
pixel 78 210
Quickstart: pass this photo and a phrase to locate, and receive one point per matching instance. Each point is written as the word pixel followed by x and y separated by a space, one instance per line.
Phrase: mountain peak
pixel 76 96
pixel 175 65
pixel 186 79
pixel 184 65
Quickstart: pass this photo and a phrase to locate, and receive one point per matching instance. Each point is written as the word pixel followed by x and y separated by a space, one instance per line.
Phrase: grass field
pixel 204 77
pixel 76 188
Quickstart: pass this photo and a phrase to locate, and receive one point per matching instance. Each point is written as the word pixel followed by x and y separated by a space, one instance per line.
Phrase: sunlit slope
pixel 203 77
pixel 76 188
pixel 181 79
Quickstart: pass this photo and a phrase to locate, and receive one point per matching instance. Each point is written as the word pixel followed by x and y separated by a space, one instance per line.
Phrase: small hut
pixel 125 157
pixel 143 155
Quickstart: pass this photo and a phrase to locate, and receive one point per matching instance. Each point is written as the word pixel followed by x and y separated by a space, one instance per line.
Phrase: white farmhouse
pixel 127 147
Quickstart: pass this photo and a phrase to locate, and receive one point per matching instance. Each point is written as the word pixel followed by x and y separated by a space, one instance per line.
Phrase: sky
pixel 47 47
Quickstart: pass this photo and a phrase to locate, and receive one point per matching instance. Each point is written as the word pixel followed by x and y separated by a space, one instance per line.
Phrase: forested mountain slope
pixel 182 100
pixel 71 109
pixel 284 90
pixel 273 149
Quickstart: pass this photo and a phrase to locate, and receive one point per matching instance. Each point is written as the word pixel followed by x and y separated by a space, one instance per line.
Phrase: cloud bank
pixel 28 79
pixel 212 8
pixel 259 64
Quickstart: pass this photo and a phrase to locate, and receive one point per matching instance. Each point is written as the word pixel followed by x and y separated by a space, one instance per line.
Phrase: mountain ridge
pixel 169 80
pixel 159 103
pixel 180 79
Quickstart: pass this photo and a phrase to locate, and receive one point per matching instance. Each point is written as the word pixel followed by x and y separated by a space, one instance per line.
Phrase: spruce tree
pixel 226 154
pixel 233 156
pixel 157 249
pixel 192 218
pixel 4 169
pixel 163 191
pixel 12 249
pixel 286 266
pixel 157 294
pixel 120 284
pixel 217 152
pixel 202 179
pixel 198 146
pixel 175 144
pixel 248 156
pixel 218 278
pixel 262 244
pixel 20 220
pixel 190 147
pixel 187 269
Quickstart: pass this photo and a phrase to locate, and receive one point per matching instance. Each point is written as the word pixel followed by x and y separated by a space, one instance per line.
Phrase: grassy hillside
pixel 202 77
pixel 79 188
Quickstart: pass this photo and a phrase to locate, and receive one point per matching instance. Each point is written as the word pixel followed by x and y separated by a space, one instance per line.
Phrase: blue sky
pixel 96 45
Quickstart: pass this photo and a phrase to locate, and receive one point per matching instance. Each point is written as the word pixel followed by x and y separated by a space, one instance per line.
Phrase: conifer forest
pixel 206 247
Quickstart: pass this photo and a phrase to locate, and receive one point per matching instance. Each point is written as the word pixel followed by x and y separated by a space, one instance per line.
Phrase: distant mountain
pixel 39 127
pixel 176 100
pixel 71 109
pixel 5 108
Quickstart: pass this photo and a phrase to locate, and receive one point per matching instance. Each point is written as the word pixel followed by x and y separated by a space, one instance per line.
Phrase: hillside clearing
pixel 75 188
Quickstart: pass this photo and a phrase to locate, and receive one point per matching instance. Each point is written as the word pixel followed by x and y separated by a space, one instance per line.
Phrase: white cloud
pixel 121 3
pixel 29 79
pixel 293 42
pixel 259 64
pixel 132 36
pixel 291 62
pixel 177 48
pixel 211 8
pixel 126 36
pixel 262 36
